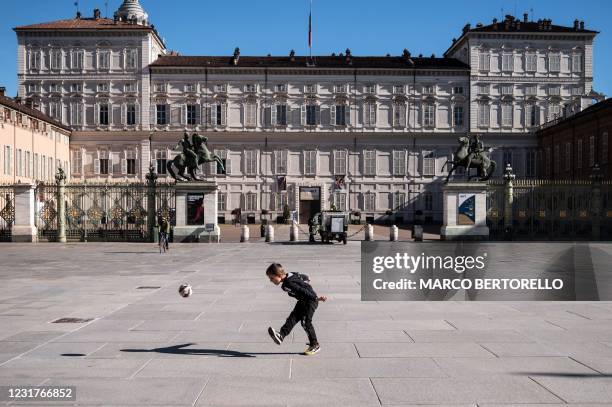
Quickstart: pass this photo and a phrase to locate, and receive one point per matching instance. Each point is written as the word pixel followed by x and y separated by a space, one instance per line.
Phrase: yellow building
pixel 33 145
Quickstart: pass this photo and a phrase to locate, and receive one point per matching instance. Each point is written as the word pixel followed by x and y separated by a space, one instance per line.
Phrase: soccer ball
pixel 185 290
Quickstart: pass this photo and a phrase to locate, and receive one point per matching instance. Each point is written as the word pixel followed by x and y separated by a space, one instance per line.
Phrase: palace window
pixel 280 88
pixel 56 59
pixel 250 114
pixel 428 201
pixel 161 114
pixel 399 115
pixel 429 164
pixel 161 157
pixel 279 114
pixel 507 62
pixel 483 89
pixel 220 88
pixel 35 60
pixel 225 169
pixel 458 116
pixel 55 110
pixel 483 115
pixel 507 114
pixel 568 156
pixel 221 202
pixel 159 87
pixel 280 161
pixel 429 114
pixel 191 88
pixel 76 113
pixel 576 63
pixel 131 114
pixel 484 61
pixel 557 160
pixel 554 90
pixel 310 88
pixel 103 114
pixel 192 114
pixel 103 87
pixel 369 162
pixel 369 114
pixel 399 162
pixel 507 89
pixel 604 148
pixel 104 60
pixel 429 89
pixel 310 162
pixel 250 201
pixel 399 200
pixel 77 59
pixel 129 163
pixel 250 162
pixel 531 62
pixel 338 115
pixel 340 88
pixel 8 160
pixel 457 90
pixel 398 89
pixel 250 88
pixel 369 201
pixel 554 111
pixel 130 58
pixel 340 162
pixel 77 161
pixel 310 115
pixel 532 115
pixel 531 90
pixel 554 62
pixel 579 154
pixel 340 200
pixel 369 89
pixel 218 114
pixel 591 151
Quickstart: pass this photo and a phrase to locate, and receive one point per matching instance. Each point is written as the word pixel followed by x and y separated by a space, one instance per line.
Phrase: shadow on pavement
pixel 552 374
pixel 178 350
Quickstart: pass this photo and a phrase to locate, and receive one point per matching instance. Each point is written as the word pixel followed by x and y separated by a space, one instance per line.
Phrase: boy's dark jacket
pixel 297 286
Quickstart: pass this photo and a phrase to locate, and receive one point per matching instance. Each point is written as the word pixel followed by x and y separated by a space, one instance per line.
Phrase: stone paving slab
pixel 212 349
pixel 462 390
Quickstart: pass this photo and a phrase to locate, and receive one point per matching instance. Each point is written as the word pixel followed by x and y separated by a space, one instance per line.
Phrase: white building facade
pixel 368 134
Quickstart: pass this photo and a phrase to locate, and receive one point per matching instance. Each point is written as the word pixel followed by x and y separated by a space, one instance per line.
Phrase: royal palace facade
pixel 364 133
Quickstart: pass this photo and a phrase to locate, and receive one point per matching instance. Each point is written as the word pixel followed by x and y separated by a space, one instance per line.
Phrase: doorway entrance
pixel 310 203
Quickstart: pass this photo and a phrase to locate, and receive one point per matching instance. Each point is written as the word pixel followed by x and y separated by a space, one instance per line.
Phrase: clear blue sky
pixel 367 27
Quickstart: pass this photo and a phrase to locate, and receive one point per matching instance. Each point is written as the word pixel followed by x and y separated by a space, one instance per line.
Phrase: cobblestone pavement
pixel 145 345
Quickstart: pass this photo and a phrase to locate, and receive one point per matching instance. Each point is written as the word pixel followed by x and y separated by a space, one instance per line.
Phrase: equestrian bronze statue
pixel 194 153
pixel 471 154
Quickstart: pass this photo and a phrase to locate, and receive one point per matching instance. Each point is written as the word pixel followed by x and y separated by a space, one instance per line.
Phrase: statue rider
pixel 476 146
pixel 190 156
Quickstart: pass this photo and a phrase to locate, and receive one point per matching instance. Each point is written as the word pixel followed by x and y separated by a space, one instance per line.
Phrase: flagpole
pixel 310 31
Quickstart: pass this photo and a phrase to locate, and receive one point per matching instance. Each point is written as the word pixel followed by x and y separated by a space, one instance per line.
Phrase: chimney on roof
pixel 525 17
pixel 576 24
pixel 466 27
pixel 539 25
pixel 17 100
pixel 29 103
pixel 406 53
pixel 495 23
pixel 2 90
pixel 97 13
pixel 292 55
pixel 582 25
pixel 478 25
pixel 78 15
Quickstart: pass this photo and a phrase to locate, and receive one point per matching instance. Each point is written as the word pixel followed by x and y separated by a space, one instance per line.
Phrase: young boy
pixel 297 286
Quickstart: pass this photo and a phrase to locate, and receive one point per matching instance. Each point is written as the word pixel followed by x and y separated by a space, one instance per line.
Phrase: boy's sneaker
pixel 312 349
pixel 276 336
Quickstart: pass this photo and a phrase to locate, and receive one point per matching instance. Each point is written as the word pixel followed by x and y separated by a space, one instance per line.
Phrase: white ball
pixel 185 290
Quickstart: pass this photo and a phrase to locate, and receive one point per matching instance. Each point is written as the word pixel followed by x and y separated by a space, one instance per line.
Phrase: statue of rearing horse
pixel 194 154
pixel 471 156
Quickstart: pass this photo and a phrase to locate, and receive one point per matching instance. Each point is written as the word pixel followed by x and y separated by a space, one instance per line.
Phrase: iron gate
pixel 101 212
pixel 7 212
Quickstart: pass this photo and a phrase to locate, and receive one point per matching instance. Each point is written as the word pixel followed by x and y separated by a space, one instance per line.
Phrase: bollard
pixel 393 233
pixel 293 233
pixel 270 233
pixel 369 233
pixel 244 233
pixel 418 233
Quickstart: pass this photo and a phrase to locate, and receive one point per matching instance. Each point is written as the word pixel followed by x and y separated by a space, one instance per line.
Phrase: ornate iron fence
pixel 102 212
pixel 7 212
pixel 550 210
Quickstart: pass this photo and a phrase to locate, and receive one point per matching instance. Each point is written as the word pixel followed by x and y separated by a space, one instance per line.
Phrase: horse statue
pixel 470 153
pixel 194 154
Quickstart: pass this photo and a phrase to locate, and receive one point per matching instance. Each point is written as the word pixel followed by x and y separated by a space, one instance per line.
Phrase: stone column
pixel 508 201
pixel 596 178
pixel 393 233
pixel 294 232
pixel 269 233
pixel 24 229
pixel 244 233
pixel 369 233
pixel 60 179
pixel 151 221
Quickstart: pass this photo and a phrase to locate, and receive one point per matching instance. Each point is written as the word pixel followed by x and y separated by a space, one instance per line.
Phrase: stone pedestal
pixel 465 211
pixel 24 229
pixel 206 229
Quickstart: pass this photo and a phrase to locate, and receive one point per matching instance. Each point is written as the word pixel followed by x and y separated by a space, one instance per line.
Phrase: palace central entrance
pixel 310 203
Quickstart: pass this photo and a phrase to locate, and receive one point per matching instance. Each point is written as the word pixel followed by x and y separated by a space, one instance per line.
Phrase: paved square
pixel 145 345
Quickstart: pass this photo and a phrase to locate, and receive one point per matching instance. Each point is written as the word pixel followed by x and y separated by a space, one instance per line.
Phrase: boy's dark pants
pixel 303 311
